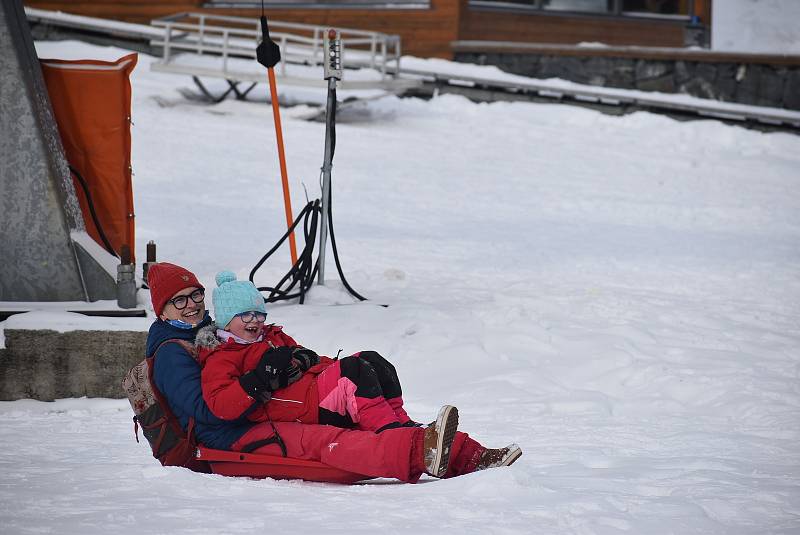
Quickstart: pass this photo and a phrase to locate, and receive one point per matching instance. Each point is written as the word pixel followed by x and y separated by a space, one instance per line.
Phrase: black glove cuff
pixel 305 357
pixel 255 387
pixel 275 360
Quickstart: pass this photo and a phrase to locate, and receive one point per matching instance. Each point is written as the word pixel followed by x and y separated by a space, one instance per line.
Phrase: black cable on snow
pixel 336 251
pixel 304 270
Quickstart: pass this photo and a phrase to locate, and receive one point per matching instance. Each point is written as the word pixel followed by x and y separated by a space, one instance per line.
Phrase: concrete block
pixel 46 365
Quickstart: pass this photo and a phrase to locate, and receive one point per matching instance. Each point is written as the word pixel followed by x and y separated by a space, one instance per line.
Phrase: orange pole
pixel 287 203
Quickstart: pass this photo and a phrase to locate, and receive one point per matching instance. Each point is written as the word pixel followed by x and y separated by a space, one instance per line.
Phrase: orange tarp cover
pixel 92 103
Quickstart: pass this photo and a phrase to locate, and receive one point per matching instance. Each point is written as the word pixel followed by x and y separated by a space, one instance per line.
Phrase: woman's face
pixel 182 306
pixel 247 330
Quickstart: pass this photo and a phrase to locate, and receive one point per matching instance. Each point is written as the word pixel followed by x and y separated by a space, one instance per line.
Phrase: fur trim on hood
pixel 207 337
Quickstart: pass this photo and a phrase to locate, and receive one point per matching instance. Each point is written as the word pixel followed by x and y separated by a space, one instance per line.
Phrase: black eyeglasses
pixel 181 301
pixel 248 317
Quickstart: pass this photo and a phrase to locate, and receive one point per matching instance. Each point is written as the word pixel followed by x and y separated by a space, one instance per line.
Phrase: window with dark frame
pixel 640 8
pixel 320 4
pixel 623 8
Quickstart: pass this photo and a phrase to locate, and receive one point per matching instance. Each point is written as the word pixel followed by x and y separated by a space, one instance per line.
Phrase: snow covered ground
pixel 619 295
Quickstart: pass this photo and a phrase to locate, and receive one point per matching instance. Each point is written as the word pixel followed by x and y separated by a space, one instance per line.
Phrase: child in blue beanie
pixel 254 369
pixel 246 360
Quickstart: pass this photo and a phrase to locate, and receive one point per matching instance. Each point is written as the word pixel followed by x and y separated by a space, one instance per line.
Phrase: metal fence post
pixel 284 55
pixel 383 62
pixel 225 36
pixel 167 42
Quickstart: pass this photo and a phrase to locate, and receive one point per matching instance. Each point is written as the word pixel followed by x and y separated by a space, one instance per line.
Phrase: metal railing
pixel 237 37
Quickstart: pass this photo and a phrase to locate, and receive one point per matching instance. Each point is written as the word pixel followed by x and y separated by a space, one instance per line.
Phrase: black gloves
pixel 273 361
pixel 255 387
pixel 274 371
pixel 305 358
pixel 276 368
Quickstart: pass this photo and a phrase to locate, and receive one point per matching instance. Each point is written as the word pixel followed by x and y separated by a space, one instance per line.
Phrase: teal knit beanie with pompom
pixel 233 297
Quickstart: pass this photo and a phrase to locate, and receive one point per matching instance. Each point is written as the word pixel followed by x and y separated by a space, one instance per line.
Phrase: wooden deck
pixel 425 32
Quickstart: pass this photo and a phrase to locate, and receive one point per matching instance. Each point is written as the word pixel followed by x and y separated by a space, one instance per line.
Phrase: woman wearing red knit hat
pixel 406 452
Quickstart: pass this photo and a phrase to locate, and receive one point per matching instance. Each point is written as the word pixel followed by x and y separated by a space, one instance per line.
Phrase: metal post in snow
pixel 332 50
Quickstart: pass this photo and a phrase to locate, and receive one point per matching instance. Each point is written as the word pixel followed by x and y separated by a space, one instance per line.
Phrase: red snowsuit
pixel 395 450
pixel 393 453
pixel 349 392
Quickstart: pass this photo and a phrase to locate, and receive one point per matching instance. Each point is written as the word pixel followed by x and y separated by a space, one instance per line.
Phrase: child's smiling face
pixel 247 330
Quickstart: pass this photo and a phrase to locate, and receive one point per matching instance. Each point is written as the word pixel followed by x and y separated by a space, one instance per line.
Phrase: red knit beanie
pixel 165 280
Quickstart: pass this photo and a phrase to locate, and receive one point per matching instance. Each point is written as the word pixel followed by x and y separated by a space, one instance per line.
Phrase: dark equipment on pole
pixel 268 53
pixel 300 277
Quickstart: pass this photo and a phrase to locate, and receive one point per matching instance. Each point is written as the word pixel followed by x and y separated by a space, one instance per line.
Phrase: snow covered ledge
pixel 49 355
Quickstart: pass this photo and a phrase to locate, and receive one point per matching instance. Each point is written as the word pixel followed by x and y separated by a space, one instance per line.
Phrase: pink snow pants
pixel 395 453
pixel 361 390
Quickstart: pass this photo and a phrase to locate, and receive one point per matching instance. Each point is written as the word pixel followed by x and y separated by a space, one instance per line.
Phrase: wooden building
pixel 429 28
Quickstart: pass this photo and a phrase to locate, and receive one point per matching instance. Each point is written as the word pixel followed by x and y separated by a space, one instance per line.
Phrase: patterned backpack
pixel 170 444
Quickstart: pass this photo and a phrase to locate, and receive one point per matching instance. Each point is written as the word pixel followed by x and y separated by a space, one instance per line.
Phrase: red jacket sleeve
pixel 221 389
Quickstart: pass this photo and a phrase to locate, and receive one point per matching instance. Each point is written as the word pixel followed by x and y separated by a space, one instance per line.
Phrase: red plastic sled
pixel 234 463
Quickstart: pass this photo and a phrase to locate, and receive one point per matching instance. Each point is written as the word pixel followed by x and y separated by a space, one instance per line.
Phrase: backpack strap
pixel 188 346
pixel 169 417
pixel 192 350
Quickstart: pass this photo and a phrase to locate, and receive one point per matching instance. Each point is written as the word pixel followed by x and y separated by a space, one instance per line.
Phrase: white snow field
pixel 619 295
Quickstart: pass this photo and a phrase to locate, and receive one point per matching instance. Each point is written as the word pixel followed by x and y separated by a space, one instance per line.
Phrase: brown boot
pixel 494 458
pixel 438 439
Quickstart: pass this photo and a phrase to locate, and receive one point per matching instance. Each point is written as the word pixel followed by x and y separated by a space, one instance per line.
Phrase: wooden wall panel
pixel 424 32
pixel 489 25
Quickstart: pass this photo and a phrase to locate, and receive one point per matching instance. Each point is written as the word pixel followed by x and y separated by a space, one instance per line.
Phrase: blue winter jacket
pixel 177 376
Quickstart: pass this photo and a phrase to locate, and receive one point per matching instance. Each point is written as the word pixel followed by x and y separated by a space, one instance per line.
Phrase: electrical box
pixel 332 45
